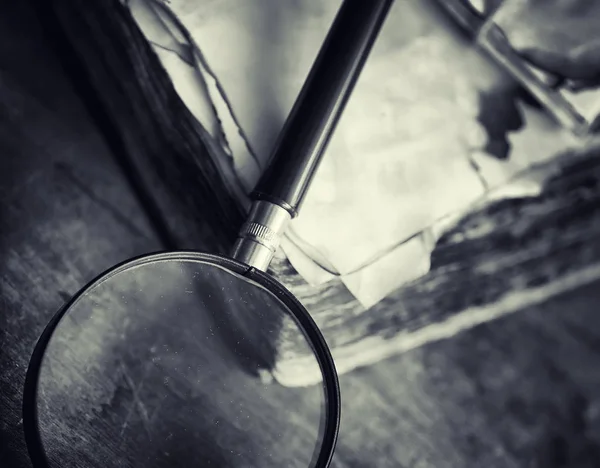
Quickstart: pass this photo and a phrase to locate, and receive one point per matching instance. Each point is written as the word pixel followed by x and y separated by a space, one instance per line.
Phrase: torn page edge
pixel 226 130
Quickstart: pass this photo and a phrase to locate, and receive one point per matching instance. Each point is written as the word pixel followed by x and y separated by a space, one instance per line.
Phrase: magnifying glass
pixel 155 362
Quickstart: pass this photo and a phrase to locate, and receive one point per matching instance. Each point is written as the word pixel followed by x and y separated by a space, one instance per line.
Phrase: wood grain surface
pixel 522 391
pixel 65 211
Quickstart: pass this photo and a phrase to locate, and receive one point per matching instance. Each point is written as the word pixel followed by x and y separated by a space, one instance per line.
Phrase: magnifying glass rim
pixel 33 438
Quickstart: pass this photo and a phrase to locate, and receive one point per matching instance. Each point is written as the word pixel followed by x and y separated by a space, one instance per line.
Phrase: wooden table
pixel 518 392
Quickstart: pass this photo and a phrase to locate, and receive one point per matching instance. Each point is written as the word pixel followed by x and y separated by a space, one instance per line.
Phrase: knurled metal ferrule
pixel 260 236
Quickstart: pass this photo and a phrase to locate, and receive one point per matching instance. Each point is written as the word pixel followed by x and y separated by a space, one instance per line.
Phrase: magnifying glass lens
pixel 156 364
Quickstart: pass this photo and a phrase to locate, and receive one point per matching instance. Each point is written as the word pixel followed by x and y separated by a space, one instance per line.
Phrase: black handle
pixel 319 106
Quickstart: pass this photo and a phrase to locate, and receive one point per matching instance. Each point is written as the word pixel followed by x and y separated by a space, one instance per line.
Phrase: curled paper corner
pixel 313 273
pixel 404 264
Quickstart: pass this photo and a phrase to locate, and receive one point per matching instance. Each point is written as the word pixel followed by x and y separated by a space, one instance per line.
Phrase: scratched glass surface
pixel 161 365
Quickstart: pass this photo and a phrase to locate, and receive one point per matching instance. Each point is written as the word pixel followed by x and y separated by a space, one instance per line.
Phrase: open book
pixel 433 135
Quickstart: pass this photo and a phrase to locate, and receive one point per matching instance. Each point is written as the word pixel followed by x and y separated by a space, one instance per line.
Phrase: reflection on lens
pixel 155 366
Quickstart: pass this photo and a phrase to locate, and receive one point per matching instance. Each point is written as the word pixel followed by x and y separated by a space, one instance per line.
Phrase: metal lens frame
pixel 301 316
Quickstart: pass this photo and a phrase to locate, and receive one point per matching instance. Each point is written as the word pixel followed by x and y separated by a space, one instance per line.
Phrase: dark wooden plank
pixel 66 211
pixel 519 392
